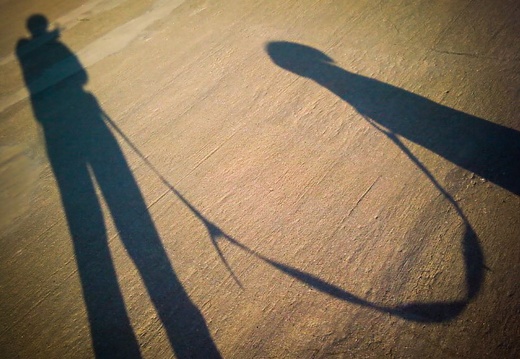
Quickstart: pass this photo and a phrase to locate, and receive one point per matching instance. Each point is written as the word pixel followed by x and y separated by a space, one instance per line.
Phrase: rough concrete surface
pixel 259 179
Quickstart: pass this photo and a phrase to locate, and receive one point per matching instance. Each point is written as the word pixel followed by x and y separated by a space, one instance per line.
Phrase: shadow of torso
pixel 71 118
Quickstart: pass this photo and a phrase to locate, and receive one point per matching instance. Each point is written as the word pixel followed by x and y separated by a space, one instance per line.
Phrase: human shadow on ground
pixel 83 153
pixel 489 150
pixel 482 147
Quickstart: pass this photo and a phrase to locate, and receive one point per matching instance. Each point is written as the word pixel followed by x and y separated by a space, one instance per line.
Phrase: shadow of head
pixel 37 25
pixel 46 60
pixel 299 59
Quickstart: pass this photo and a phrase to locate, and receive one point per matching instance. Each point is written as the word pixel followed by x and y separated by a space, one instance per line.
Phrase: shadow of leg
pixel 185 326
pixel 112 334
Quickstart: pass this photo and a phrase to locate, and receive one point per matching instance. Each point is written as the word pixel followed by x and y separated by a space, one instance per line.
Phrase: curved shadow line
pixel 311 63
pixel 433 312
pixel 425 312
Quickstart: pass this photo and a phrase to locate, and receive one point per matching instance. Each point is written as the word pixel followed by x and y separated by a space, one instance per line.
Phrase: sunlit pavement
pixel 259 179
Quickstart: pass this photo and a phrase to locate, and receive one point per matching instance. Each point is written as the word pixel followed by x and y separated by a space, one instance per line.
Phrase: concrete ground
pixel 259 179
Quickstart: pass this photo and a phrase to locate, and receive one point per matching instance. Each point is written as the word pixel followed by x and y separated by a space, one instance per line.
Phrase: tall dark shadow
pixel 83 152
pixel 487 149
pixel 482 147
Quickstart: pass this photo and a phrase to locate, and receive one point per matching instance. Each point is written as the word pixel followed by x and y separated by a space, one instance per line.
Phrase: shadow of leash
pixel 429 312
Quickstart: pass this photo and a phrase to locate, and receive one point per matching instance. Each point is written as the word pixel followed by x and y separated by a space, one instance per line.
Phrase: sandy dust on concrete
pixel 336 239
